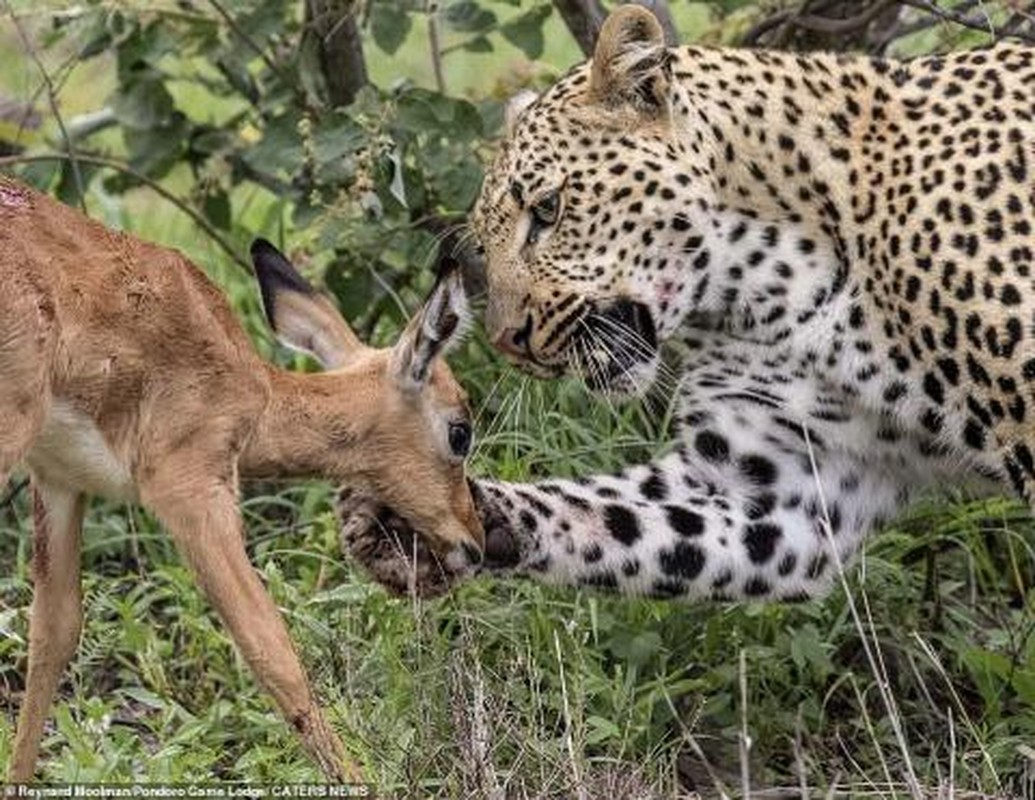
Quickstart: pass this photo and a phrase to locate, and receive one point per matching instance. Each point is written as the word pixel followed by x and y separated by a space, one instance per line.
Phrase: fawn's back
pixel 124 336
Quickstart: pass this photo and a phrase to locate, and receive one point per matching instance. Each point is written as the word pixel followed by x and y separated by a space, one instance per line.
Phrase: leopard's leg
pixel 771 483
pixel 777 533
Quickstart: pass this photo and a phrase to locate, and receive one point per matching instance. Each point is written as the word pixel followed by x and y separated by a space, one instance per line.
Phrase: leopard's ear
pixel 631 62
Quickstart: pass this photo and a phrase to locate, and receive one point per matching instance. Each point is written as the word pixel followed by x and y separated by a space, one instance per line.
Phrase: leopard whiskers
pixel 640 346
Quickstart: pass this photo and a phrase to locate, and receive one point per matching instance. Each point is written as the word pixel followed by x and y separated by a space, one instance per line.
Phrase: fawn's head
pixel 401 417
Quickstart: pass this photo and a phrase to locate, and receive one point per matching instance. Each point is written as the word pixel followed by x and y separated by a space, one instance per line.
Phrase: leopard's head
pixel 578 211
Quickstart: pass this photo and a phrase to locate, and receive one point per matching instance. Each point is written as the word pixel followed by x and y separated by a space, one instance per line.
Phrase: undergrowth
pixel 509 689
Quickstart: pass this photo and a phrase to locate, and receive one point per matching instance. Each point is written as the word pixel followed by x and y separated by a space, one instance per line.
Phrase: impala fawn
pixel 123 373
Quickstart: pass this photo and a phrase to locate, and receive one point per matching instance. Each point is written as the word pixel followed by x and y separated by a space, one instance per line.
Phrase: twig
pixel 436 47
pixel 875 663
pixel 118 166
pixel 52 100
pixel 811 17
pixel 580 789
pixel 781 19
pixel 245 37
pixel 979 23
pixel 902 29
pixel 815 22
pixel 14 491
pixel 745 737
pixel 840 27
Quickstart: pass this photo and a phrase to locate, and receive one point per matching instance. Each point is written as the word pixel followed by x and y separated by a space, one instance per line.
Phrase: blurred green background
pixel 201 124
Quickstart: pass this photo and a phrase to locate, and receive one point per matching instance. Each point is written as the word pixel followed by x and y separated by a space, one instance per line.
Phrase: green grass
pixel 509 689
pixel 539 692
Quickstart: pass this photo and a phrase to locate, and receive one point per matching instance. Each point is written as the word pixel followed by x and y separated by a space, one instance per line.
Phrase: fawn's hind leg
pixel 26 345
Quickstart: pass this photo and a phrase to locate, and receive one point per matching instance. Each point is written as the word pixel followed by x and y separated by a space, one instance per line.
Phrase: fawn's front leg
pixel 56 615
pixel 202 516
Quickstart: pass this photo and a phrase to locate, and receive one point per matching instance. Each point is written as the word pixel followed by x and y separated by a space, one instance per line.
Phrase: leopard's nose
pixel 516 342
pixel 510 343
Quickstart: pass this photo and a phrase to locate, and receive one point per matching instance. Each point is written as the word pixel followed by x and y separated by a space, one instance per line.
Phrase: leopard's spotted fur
pixel 843 248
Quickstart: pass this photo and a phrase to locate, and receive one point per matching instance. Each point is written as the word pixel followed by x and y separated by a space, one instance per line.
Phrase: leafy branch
pixel 73 160
pixel 980 22
pixel 838 22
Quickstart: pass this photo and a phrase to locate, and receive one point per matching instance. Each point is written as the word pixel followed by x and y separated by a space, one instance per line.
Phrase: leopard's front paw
pixel 503 546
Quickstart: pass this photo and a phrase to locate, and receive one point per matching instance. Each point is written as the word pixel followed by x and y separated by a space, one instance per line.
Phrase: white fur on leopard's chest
pixel 70 451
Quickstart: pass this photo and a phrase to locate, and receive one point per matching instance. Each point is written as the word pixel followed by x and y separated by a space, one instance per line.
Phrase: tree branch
pixel 825 17
pixel 980 22
pixel 340 48
pixel 54 109
pixel 812 16
pixel 435 46
pixel 583 18
pixel 119 166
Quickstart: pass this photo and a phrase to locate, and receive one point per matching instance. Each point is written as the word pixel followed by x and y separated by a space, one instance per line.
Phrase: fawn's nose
pixel 516 342
pixel 472 553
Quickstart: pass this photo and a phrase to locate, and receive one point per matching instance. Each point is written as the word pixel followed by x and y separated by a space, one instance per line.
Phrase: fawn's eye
pixel 460 438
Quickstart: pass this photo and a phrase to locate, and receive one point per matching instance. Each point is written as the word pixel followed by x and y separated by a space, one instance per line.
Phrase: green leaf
pixel 236 73
pixel 144 48
pixel 216 208
pixel 459 186
pixel 95 35
pixel 637 648
pixel 601 729
pixel 68 187
pixel 143 103
pixel 336 137
pixel 154 151
pixel 423 111
pixel 420 109
pixel 808 649
pixel 390 24
pixel 266 19
pixel 525 31
pixel 397 186
pixel 353 285
pixel 479 44
pixel 144 697
pixel 469 17
pixel 280 148
pixel 208 141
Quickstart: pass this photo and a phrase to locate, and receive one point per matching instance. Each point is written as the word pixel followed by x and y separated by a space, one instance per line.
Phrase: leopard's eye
pixel 545 210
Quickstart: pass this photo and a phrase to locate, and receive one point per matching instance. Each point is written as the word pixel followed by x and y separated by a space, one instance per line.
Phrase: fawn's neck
pixel 309 427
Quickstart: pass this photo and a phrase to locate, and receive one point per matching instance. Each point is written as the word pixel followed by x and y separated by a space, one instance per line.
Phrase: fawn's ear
pixel 302 318
pixel 437 327
pixel 631 63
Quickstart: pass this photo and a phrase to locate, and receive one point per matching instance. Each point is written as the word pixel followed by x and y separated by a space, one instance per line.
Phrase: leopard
pixel 836 250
